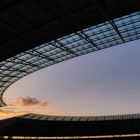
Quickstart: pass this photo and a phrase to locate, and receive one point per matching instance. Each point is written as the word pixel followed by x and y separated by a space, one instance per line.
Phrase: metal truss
pixel 101 36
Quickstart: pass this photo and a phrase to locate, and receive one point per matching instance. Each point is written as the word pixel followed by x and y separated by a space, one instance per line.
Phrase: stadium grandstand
pixel 71 127
pixel 35 34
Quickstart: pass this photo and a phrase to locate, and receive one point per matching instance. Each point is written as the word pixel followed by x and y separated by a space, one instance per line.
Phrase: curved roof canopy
pixel 38 33
pixel 82 42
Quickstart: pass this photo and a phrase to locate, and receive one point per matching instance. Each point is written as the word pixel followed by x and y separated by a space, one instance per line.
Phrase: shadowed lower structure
pixel 67 127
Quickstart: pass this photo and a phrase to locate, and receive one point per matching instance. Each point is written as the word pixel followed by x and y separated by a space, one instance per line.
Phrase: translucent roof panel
pixel 80 118
pixel 101 36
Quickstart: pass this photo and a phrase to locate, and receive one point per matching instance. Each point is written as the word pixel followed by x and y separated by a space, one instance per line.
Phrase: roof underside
pixel 25 24
pixel 45 125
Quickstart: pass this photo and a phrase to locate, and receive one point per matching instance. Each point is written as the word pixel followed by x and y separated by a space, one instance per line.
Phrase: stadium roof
pixel 39 33
pixel 25 24
pixel 47 125
pixel 88 40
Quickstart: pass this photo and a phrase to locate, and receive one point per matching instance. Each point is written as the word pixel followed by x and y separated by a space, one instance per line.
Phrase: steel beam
pixel 102 11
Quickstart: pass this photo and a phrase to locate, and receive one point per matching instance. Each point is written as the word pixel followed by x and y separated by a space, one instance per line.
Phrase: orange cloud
pixel 21 106
pixel 7 112
pixel 28 101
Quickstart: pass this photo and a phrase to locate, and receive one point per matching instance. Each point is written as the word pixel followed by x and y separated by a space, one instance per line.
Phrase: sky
pixel 104 82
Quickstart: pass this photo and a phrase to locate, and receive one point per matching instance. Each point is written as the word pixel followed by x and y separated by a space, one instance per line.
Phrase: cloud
pixel 21 106
pixel 28 101
pixel 6 111
pixel 10 110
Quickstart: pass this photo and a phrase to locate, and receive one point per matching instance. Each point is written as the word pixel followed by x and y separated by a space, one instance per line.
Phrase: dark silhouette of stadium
pixel 39 33
pixel 117 126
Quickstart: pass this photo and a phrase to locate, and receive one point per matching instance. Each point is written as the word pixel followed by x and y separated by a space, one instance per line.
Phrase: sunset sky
pixel 100 83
